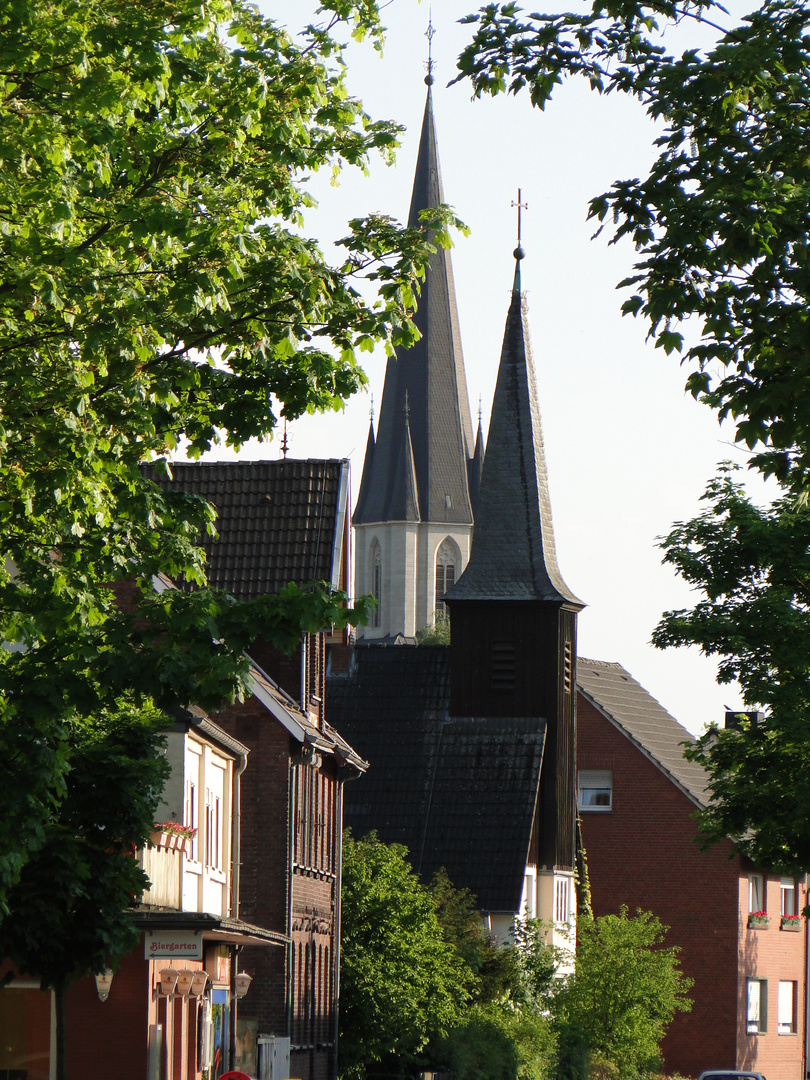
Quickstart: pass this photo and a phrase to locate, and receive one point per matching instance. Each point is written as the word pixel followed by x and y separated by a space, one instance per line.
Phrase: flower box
pixel 171 836
pixel 790 922
pixel 758 920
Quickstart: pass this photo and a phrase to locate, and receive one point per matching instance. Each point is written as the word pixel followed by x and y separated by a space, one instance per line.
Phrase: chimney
pixel 733 717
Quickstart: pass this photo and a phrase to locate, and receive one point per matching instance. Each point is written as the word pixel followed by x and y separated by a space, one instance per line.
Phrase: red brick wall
pixel 109 1038
pixel 642 854
pixel 772 954
pixel 264 862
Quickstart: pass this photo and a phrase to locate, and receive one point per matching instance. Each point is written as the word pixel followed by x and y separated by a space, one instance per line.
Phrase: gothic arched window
pixel 447 566
pixel 376 583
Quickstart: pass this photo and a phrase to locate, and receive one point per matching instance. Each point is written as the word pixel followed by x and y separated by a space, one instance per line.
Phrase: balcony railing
pixel 162 862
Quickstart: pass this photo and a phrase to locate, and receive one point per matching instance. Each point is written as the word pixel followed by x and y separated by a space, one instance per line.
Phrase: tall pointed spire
pixel 513 555
pixel 431 373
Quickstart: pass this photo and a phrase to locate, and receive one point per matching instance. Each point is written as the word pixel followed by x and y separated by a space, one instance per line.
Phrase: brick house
pixel 258 890
pixel 636 798
pixel 282 521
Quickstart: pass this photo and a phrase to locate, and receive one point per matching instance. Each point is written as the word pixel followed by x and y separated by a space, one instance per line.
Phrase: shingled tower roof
pixel 430 375
pixel 513 555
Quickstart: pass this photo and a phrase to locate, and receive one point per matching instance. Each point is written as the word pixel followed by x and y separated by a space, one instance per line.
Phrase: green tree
pixel 752 567
pixel 496 1043
pixel 626 988
pixel 720 225
pixel 401 983
pixel 157 291
pixel 67 914
pixel 721 229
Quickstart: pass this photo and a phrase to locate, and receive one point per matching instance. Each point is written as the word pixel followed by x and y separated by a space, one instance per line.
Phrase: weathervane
pixel 429 79
pixel 519 252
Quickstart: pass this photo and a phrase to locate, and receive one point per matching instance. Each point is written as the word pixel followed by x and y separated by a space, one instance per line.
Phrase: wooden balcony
pixel 162 862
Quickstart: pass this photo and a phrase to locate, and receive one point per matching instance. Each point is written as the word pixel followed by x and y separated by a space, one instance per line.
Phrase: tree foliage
pixel 494 1043
pixel 157 291
pixel 402 983
pixel 625 991
pixel 752 567
pixel 720 225
pixel 67 911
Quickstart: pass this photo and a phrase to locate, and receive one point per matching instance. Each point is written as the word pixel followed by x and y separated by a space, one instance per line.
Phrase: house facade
pixel 238 959
pixel 279 522
pixel 637 797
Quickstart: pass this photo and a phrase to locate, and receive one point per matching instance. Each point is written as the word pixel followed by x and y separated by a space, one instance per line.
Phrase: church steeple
pixel 430 377
pixel 513 619
pixel 513 553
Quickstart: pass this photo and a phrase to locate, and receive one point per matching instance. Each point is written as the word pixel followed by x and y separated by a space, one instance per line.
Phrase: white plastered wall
pixel 408 553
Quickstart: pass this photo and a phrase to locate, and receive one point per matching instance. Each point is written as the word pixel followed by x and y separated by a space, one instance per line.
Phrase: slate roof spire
pixel 513 556
pixel 431 375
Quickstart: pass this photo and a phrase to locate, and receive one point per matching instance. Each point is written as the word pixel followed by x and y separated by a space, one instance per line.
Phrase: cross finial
pixel 519 252
pixel 429 78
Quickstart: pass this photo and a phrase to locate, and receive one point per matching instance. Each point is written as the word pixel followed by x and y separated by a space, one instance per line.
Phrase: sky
pixel 629 452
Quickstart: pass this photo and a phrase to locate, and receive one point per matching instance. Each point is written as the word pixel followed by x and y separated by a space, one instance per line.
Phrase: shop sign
pixel 174 943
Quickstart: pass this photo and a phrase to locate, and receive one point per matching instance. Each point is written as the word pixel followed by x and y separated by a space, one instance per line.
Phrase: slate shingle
pixel 429 378
pixel 277 520
pixel 513 556
pixel 458 793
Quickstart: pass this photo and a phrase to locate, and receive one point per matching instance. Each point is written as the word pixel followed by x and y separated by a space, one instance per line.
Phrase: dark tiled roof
pixel 278 521
pixel 513 556
pixel 430 376
pixel 458 793
pixel 617 695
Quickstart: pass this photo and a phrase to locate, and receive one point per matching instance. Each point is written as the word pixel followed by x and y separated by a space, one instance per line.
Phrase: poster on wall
pixel 247 1044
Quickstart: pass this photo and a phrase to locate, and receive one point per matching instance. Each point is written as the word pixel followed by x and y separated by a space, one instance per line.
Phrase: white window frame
pixel 562 900
pixel 788 897
pixel 756 1015
pixel 756 893
pixel 595 784
pixel 786 1017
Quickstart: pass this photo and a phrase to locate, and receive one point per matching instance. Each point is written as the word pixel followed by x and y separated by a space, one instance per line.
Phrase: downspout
pixel 293 791
pixel 806 1048
pixel 236 835
pixel 337 927
pixel 236 858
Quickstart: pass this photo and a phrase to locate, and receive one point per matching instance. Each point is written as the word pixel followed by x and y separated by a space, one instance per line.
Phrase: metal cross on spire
pixel 429 33
pixel 519 252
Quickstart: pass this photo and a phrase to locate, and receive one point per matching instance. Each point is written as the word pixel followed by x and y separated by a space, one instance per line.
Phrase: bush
pixel 498 1044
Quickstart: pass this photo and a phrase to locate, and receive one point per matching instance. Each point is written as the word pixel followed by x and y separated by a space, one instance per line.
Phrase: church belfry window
pixel 376 583
pixel 447 561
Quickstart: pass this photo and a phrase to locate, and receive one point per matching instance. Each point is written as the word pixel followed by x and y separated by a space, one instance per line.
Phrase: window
pixel 447 559
pixel 595 789
pixel 503 665
pixel 376 584
pixel 756 894
pixel 788 897
pixel 561 900
pixel 190 815
pixel 568 681
pixel 787 1008
pixel 757 1012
